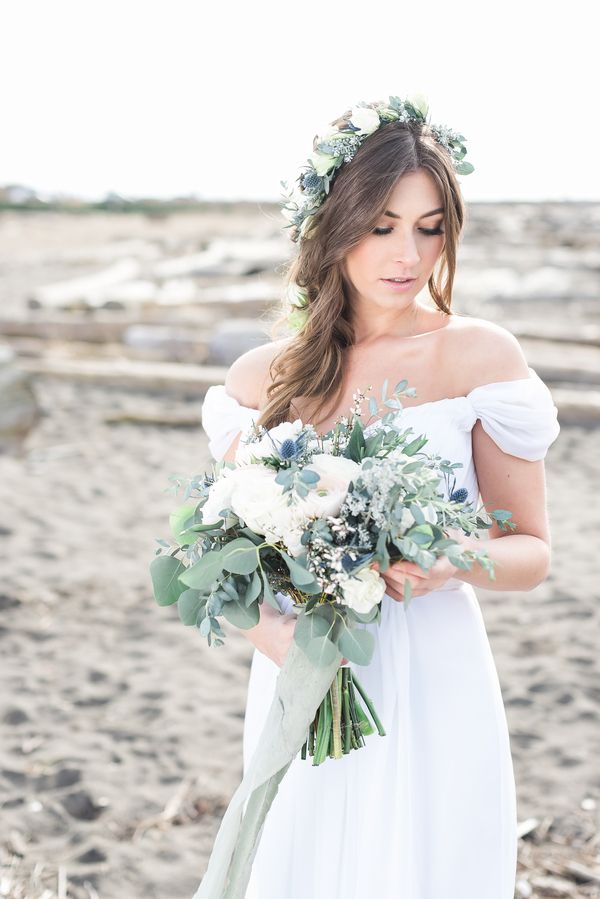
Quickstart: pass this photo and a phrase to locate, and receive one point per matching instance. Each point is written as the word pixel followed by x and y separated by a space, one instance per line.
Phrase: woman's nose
pixel 406 251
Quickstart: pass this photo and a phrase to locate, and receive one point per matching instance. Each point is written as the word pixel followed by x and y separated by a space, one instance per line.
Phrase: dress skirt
pixel 427 811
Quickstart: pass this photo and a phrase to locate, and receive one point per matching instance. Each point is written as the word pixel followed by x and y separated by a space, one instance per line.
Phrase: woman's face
pixel 406 246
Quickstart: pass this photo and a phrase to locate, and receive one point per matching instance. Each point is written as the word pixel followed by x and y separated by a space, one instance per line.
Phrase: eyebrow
pixel 424 216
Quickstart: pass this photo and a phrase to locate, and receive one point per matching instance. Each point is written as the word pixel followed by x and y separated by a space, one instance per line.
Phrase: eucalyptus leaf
pixel 300 576
pixel 253 589
pixel 205 572
pixel 417 513
pixel 312 634
pixel 268 594
pixel 165 572
pixel 240 556
pixel 177 522
pixel 414 446
pixel 189 604
pixel 241 615
pixel 356 644
pixel 421 534
pixel 230 590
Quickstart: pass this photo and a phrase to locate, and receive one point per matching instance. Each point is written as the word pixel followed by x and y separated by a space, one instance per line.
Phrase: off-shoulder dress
pixel 429 810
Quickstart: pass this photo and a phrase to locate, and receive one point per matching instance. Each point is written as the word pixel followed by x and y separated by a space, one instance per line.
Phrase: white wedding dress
pixel 429 810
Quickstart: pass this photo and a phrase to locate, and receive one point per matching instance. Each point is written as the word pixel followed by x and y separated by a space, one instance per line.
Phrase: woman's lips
pixel 399 285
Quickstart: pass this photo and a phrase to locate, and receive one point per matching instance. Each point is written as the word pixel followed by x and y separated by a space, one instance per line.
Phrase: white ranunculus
pixel 363 591
pixel 288 524
pixel 264 447
pixel 365 118
pixel 329 492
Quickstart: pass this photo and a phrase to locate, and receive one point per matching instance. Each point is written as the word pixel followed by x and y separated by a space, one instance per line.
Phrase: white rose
pixel 363 591
pixel 256 496
pixel 219 497
pixel 365 118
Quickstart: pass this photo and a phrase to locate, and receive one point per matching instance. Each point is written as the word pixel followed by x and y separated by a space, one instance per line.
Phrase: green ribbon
pixel 299 691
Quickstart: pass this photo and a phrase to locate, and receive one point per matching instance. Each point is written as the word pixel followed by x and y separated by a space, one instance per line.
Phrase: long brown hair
pixel 311 362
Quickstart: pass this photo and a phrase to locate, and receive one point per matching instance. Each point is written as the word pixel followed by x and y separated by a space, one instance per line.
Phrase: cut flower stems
pixel 340 723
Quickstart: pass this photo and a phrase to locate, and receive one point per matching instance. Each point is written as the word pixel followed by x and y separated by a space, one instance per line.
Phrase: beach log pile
pixel 18 404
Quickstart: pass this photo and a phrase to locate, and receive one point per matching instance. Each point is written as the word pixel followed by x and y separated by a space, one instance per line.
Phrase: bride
pixel 429 811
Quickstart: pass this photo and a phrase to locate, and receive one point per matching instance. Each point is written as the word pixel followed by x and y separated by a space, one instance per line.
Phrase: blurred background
pixel 141 251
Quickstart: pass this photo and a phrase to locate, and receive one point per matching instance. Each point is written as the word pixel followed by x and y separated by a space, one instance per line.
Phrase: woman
pixel 428 811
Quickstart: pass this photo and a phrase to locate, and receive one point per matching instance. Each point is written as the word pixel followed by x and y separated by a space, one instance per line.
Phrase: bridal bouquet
pixel 308 515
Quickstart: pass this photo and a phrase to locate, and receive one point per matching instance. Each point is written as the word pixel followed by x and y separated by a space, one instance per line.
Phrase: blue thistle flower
pixel 311 182
pixel 348 563
pixel 459 496
pixel 288 448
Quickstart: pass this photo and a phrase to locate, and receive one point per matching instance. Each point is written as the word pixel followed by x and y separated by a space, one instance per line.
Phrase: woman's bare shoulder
pixel 247 377
pixel 487 351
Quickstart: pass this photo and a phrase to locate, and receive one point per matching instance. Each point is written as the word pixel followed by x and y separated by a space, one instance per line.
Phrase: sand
pixel 121 730
pixel 111 708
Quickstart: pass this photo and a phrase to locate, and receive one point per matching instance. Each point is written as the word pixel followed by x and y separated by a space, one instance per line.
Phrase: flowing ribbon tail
pixel 300 688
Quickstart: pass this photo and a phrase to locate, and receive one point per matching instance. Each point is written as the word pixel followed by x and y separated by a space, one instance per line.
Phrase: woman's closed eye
pixel 423 230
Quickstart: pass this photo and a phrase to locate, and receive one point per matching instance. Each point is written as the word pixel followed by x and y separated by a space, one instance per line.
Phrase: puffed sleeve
pixel 223 418
pixel 519 415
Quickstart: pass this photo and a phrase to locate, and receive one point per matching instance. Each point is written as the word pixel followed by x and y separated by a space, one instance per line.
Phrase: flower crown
pixel 339 144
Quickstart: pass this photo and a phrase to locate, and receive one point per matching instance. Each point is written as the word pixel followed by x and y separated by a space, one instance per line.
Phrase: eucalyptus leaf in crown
pixel 339 143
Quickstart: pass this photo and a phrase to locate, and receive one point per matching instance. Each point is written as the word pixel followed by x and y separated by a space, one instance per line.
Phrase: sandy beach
pixel 121 729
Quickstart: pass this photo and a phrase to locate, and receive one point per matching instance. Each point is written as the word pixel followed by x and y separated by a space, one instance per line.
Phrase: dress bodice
pixel 519 415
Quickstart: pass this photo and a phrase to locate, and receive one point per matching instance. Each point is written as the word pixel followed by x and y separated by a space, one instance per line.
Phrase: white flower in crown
pixel 420 103
pixel 306 225
pixel 296 295
pixel 322 163
pixel 365 119
pixel 339 143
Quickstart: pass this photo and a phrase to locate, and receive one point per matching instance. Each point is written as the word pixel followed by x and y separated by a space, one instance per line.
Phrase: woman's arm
pixel 521 557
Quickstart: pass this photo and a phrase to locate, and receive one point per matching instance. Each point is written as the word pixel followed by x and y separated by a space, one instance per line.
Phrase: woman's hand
pixel 273 634
pixel 421 581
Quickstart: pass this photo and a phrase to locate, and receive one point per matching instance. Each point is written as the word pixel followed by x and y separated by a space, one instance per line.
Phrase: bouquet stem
pixel 340 723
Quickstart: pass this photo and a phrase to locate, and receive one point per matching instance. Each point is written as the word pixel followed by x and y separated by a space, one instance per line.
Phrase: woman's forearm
pixel 521 562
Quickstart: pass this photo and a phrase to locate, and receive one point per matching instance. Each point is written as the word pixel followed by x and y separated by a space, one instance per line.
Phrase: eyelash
pixel 430 231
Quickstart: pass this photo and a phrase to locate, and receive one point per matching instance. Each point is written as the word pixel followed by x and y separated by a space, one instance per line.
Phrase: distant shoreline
pixel 167 206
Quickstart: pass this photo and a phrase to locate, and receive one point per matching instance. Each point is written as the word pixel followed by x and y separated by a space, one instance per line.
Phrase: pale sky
pixel 222 100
